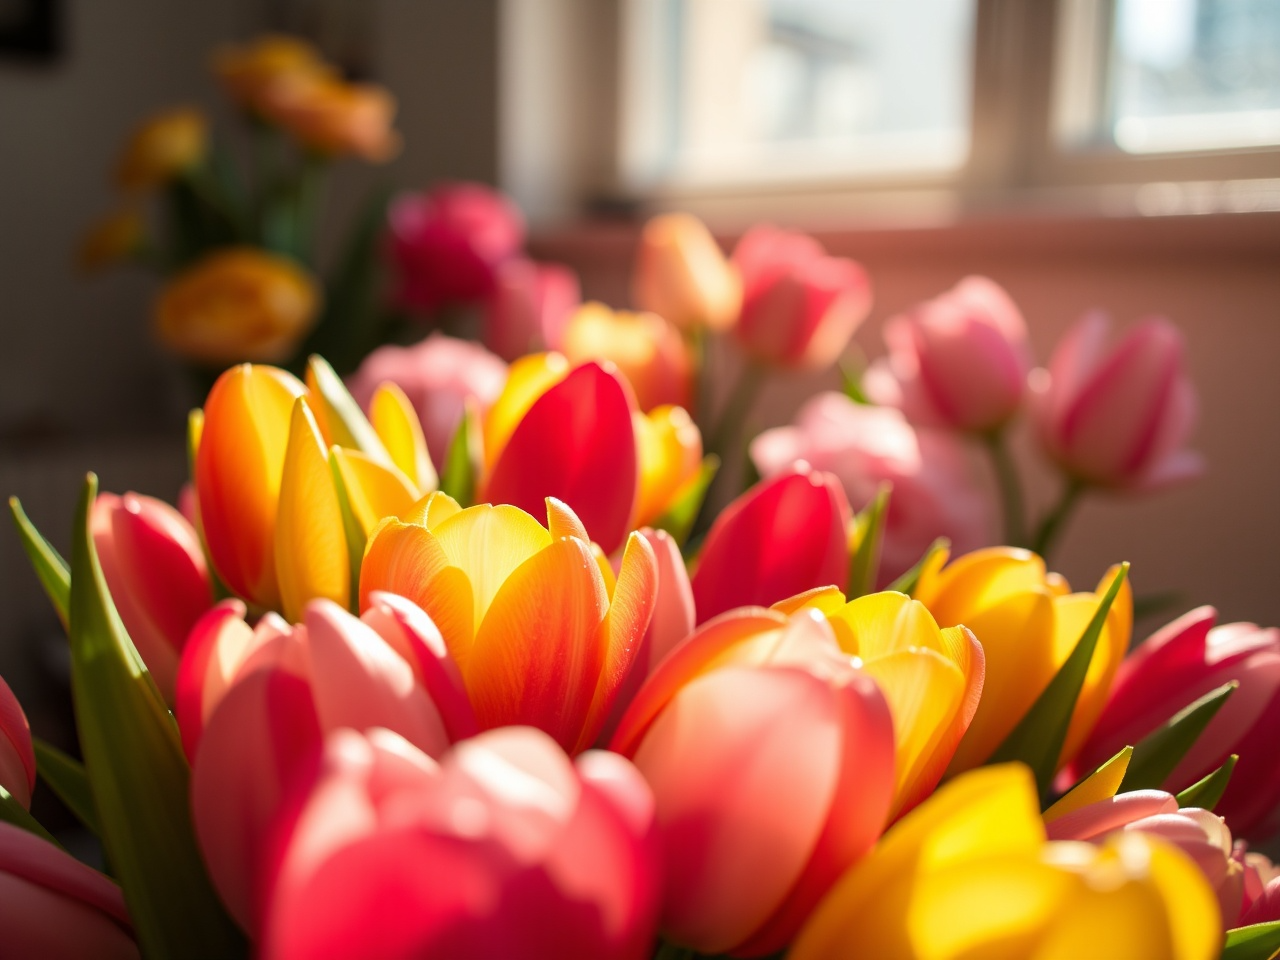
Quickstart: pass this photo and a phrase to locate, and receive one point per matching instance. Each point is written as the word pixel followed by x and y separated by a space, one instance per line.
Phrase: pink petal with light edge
pixel 17 755
pixel 1098 819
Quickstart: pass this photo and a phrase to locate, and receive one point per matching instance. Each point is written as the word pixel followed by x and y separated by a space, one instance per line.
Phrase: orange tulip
pixel 239 303
pixel 649 351
pixel 331 116
pixel 541 634
pixel 682 275
pixel 248 71
pixel 162 148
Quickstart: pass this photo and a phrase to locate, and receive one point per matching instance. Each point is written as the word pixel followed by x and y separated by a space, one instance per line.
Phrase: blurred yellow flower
pixel 334 117
pixel 112 239
pixel 240 303
pixel 163 147
pixel 248 70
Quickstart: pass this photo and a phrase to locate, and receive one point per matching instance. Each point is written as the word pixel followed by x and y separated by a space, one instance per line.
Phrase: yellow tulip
pixel 932 679
pixel 248 71
pixel 670 447
pixel 1028 622
pixel 237 304
pixel 163 147
pixel 968 874
pixel 649 351
pixel 111 240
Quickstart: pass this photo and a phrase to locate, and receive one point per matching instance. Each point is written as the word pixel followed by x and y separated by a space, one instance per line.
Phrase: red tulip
pixel 17 757
pixel 799 306
pixel 448 243
pixel 1119 419
pixel 959 361
pixel 506 848
pixel 785 535
pixel 529 308
pixel 771 758
pixel 56 908
pixel 1180 663
pixel 254 705
pixel 575 443
pixel 156 571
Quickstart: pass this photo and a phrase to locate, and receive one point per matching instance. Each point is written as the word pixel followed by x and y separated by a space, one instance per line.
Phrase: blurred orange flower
pixel 163 147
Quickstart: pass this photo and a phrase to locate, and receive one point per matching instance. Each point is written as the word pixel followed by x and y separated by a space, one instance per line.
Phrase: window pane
pixel 784 89
pixel 1196 74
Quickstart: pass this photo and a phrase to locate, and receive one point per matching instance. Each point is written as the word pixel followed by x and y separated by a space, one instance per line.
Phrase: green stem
pixel 733 417
pixel 1052 525
pixel 1011 501
pixel 309 195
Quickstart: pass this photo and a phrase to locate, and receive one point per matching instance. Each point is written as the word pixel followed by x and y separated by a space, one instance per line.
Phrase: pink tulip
pixel 1180 663
pixel 934 493
pixel 505 848
pixel 157 574
pixel 1261 887
pixel 17 757
pixel 438 375
pixel 54 907
pixel 529 307
pixel 958 361
pixel 1119 419
pixel 254 706
pixel 577 444
pixel 771 760
pixel 449 242
pixel 785 535
pixel 799 306
pixel 1199 834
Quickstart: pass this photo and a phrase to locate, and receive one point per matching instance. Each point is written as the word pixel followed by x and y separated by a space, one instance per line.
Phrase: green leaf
pixel 869 525
pixel 851 381
pixel 908 581
pixel 1159 752
pixel 1038 738
pixel 67 778
pixel 50 568
pixel 1261 941
pixel 352 528
pixel 462 462
pixel 344 421
pixel 11 811
pixel 1206 793
pixel 683 511
pixel 137 773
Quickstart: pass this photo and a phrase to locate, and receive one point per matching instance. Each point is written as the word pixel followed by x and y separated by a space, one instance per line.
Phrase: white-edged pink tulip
pixel 17 757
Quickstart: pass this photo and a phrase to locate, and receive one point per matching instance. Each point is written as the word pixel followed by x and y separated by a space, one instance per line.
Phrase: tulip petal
pixel 1099 785
pixel 341 421
pixel 527 380
pixel 432 510
pixel 375 491
pixel 400 431
pixel 536 657
pixel 310 546
pixel 563 522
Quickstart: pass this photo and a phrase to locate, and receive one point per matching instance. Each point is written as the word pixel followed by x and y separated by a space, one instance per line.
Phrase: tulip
pixel 17 757
pixel 1176 666
pixel 505 848
pixel 449 243
pixel 164 147
pixel 439 376
pixel 670 446
pixel 648 350
pixel 540 636
pixel 248 72
pixel 799 306
pixel 565 433
pixel 959 361
pixel 771 760
pixel 1028 622
pixel 56 908
pixel 1118 419
pixel 157 575
pixel 238 303
pixel 1261 887
pixel 933 489
pixel 968 874
pixel 681 275
pixel 254 706
pixel 932 679
pixel 1199 834
pixel 529 307
pixel 330 116
pixel 785 535
pixel 113 239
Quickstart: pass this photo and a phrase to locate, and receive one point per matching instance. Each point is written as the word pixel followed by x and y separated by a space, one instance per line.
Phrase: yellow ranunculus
pixel 968 874
pixel 112 239
pixel 331 116
pixel 1028 622
pixel 248 71
pixel 163 147
pixel 240 303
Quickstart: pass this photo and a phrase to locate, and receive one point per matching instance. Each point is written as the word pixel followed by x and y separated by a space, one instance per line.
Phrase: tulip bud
pixel 163 147
pixel 449 243
pixel 784 536
pixel 958 361
pixel 56 908
pixel 156 571
pixel 934 491
pixel 648 350
pixel 17 757
pixel 800 307
pixel 529 307
pixel 683 277
pixel 1119 419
